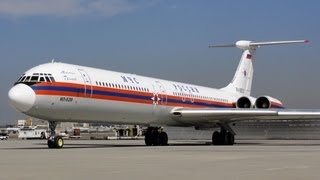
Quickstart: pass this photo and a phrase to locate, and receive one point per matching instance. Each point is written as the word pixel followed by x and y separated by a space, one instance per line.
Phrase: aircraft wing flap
pixel 208 116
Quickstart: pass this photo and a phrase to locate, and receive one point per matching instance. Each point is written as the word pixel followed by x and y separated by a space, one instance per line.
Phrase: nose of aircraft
pixel 22 97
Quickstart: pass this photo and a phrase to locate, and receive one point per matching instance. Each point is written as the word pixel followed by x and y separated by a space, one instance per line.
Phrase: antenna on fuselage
pixel 52 60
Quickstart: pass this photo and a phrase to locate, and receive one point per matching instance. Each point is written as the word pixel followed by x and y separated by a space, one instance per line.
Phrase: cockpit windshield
pixel 35 78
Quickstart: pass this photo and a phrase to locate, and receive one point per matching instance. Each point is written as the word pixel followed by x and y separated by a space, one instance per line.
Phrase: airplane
pixel 60 92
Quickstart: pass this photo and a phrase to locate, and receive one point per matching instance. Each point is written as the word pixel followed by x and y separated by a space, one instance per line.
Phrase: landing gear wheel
pixel 155 137
pixel 58 142
pixel 163 139
pixel 230 138
pixel 148 137
pixel 55 142
pixel 50 143
pixel 222 138
pixel 215 138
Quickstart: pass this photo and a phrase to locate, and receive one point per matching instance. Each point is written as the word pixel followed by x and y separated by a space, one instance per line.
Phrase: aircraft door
pixel 87 83
pixel 162 94
pixel 159 97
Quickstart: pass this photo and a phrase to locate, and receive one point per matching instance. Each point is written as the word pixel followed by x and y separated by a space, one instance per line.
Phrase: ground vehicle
pixel 4 136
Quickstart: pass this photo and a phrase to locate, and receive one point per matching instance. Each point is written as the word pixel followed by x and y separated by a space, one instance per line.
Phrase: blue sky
pixel 165 39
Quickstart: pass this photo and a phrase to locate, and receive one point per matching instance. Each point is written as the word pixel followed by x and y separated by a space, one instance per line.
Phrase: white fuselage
pixel 84 94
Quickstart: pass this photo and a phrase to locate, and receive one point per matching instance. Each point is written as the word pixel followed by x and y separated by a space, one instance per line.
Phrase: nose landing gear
pixel 54 141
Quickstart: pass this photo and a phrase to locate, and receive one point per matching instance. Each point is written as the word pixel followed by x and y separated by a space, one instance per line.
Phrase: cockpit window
pixel 52 79
pixel 23 78
pixel 35 78
pixel 47 79
pixel 27 79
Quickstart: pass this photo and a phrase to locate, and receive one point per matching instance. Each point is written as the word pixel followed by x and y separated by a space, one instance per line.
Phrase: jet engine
pixel 245 102
pixel 267 102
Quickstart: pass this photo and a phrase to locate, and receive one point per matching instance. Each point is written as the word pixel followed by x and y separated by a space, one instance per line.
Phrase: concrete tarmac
pixel 130 159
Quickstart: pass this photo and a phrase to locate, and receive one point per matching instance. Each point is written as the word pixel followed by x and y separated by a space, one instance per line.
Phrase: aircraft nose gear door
pixel 87 83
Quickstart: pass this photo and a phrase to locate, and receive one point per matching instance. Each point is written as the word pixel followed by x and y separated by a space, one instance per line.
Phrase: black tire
pixel 216 138
pixel 230 138
pixel 148 137
pixel 50 143
pixel 224 139
pixel 58 142
pixel 163 139
pixel 155 137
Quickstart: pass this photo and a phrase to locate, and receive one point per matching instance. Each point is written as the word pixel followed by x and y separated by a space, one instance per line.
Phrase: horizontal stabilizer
pixel 245 45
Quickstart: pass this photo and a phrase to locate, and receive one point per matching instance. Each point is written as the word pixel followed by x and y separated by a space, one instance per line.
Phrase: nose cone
pixel 22 97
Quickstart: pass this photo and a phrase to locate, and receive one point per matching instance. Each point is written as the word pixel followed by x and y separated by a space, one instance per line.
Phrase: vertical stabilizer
pixel 242 79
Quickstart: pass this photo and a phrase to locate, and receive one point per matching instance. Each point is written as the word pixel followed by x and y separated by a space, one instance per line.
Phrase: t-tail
pixel 242 80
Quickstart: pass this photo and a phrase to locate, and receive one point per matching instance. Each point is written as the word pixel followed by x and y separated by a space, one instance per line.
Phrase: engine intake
pixel 267 102
pixel 244 102
pixel 263 103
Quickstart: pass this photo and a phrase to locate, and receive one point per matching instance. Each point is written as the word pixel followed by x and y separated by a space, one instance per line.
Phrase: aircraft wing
pixel 207 116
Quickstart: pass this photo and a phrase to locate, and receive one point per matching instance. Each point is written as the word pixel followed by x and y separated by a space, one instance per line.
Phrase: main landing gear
pixel 223 137
pixel 154 136
pixel 54 141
